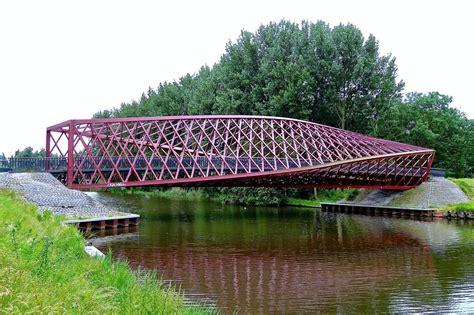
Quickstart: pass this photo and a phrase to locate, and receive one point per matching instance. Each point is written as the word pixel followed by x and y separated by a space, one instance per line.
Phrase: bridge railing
pixel 4 166
pixel 33 164
pixel 123 163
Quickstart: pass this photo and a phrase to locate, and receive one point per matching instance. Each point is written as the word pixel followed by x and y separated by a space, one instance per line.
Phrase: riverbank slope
pixel 434 193
pixel 44 269
pixel 47 193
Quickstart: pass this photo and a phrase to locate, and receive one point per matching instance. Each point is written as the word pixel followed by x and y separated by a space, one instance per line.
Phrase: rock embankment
pixel 376 197
pixel 48 193
pixel 437 191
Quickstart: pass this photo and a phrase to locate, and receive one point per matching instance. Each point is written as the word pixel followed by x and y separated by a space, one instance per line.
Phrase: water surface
pixel 294 260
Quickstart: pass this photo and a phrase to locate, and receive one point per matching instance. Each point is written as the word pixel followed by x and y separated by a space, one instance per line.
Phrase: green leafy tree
pixel 308 71
pixel 251 195
pixel 29 152
pixel 427 120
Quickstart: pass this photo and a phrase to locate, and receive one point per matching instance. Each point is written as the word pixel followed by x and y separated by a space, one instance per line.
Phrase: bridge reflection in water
pixel 267 260
pixel 246 279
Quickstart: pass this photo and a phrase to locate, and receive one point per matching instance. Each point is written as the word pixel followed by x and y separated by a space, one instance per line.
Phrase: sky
pixel 62 60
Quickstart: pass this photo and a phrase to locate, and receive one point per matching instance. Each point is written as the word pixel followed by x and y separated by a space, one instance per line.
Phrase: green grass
pixel 44 269
pixel 411 198
pixel 182 194
pixel 465 206
pixel 173 193
pixel 332 195
pixel 466 185
pixel 303 202
pixel 325 195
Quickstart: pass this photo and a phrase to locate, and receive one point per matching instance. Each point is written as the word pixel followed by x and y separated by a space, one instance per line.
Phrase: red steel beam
pixel 231 151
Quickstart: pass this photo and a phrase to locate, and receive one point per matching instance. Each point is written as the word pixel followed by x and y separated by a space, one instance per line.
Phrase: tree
pixel 308 71
pixel 28 152
pixel 427 120
pixel 312 71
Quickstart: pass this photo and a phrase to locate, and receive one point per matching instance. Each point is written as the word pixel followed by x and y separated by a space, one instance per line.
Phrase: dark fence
pixel 59 165
pixel 123 163
pixel 33 164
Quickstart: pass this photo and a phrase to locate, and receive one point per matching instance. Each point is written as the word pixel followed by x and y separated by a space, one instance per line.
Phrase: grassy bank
pixel 44 269
pixel 325 195
pixel 467 186
pixel 297 202
pixel 465 206
pixel 246 196
pixel 173 193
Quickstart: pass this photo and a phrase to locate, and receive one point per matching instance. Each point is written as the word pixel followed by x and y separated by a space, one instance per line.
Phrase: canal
pixel 295 260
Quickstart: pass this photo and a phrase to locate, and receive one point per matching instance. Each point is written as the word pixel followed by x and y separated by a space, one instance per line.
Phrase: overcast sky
pixel 61 60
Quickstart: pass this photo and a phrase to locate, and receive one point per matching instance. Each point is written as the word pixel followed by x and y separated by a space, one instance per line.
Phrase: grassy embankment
pixel 174 193
pixel 324 195
pixel 298 202
pixel 44 269
pixel 467 186
pixel 332 195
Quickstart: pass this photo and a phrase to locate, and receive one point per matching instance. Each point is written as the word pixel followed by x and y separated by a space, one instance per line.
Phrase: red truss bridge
pixel 227 151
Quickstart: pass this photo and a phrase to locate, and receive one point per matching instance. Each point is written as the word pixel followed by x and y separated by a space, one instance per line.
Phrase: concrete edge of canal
pixel 405 212
pixel 102 223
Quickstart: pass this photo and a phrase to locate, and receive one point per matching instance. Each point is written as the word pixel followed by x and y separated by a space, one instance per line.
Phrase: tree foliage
pixel 258 196
pixel 312 71
pixel 427 120
pixel 29 152
pixel 307 71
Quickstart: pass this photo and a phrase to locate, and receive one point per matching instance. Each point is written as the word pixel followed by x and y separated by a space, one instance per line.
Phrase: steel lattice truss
pixel 229 151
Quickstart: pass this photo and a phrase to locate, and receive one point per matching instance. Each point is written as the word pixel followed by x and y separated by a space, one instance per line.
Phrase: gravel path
pixel 46 192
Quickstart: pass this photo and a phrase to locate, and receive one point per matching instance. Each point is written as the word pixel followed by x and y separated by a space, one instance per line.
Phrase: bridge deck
pixel 122 166
pixel 223 150
pixel 59 165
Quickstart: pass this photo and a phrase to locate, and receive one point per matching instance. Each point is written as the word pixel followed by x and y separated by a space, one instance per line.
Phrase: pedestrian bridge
pixel 225 151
